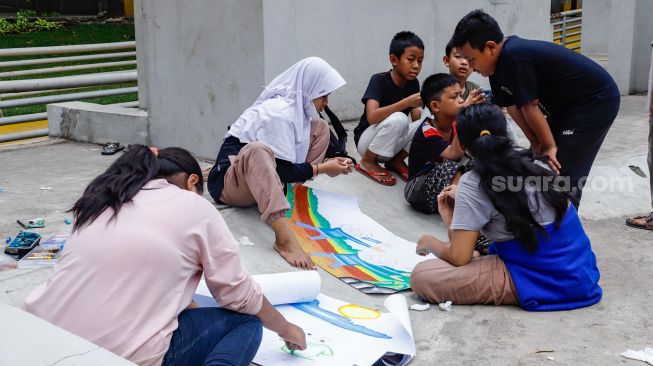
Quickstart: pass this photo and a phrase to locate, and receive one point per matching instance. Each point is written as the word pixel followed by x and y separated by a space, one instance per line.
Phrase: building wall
pixel 629 49
pixel 596 18
pixel 201 65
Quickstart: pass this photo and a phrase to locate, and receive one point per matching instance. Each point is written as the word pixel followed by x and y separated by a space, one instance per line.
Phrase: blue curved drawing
pixel 335 233
pixel 313 308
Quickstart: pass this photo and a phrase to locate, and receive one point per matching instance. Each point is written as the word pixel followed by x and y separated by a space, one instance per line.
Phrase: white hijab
pixel 281 116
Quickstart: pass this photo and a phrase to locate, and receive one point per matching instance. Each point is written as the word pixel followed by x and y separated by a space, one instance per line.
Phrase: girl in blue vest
pixel 541 259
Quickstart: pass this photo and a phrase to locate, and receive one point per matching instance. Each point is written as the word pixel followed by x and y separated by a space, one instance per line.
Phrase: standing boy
pixel 434 152
pixel 392 103
pixel 563 101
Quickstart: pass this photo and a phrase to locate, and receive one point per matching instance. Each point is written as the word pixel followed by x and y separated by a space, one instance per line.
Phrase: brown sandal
pixel 383 178
pixel 648 222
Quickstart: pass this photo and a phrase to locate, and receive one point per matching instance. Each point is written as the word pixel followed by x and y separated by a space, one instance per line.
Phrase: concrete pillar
pixel 596 19
pixel 630 32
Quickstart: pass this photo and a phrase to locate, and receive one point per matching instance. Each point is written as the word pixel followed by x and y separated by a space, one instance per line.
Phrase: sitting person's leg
pixel 214 336
pixel 398 162
pixel 382 141
pixel 252 179
pixel 484 280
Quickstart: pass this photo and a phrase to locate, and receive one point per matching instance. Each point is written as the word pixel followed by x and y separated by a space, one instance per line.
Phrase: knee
pixel 397 121
pixel 253 325
pixel 425 280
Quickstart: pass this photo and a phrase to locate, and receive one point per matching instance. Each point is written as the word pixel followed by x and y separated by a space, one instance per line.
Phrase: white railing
pixel 15 93
pixel 570 24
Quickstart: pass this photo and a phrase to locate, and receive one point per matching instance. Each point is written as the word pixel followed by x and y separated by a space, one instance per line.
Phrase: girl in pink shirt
pixel 143 236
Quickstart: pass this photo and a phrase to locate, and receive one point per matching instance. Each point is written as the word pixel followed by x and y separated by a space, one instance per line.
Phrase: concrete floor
pixel 468 334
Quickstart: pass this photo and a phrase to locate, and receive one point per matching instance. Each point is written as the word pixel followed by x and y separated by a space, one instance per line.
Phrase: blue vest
pixel 561 274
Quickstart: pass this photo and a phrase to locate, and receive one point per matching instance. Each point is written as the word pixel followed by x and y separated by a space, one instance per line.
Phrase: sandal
pixel 111 148
pixel 648 222
pixel 383 178
pixel 402 172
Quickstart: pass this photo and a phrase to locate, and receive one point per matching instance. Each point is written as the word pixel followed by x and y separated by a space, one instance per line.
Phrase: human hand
pixel 336 166
pixel 423 247
pixel 551 152
pixel 415 100
pixel 475 96
pixel 445 206
pixel 449 191
pixel 294 337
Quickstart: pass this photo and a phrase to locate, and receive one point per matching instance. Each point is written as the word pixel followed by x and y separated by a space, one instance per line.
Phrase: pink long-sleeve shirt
pixel 122 283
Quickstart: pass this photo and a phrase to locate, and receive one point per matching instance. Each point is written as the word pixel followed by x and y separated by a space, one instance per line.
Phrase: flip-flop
pixel 647 226
pixel 383 178
pixel 401 172
pixel 111 148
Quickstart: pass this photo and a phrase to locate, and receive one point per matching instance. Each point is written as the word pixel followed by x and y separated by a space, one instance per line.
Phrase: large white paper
pixel 350 245
pixel 337 332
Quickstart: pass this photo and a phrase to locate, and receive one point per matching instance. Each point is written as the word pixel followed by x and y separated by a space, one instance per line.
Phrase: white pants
pixel 389 136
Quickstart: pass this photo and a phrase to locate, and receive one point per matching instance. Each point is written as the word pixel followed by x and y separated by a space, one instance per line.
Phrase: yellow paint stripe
pixel 23 127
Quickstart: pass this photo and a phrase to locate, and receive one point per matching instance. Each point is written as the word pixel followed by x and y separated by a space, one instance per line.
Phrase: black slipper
pixel 111 148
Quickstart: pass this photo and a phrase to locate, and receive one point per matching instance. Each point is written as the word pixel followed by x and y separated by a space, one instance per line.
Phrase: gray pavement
pixel 468 334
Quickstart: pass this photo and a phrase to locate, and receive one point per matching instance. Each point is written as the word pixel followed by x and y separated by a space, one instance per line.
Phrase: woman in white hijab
pixel 279 139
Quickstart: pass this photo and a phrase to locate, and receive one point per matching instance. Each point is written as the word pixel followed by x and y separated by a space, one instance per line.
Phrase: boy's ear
pixel 394 60
pixel 491 46
pixel 434 106
pixel 445 59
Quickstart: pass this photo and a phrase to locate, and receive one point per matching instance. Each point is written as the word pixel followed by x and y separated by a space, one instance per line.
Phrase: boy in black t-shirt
pixel 435 151
pixel 392 103
pixel 563 101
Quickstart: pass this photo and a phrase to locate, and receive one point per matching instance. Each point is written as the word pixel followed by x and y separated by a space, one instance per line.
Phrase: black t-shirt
pixel 382 89
pixel 428 143
pixel 562 80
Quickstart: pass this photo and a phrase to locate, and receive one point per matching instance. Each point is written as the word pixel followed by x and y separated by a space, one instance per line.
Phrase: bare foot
pixel 294 255
pixel 286 244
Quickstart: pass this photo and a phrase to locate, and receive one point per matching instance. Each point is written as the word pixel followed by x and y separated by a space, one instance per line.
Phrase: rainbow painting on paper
pixel 348 244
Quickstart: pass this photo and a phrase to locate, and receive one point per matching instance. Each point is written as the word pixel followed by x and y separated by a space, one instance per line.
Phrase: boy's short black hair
pixel 434 85
pixel 477 28
pixel 448 48
pixel 402 40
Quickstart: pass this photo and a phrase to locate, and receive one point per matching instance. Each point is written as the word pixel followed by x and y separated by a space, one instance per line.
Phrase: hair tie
pixel 154 151
pixel 485 132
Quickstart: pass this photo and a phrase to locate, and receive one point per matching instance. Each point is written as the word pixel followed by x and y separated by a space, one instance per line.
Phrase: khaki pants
pixel 252 177
pixel 484 280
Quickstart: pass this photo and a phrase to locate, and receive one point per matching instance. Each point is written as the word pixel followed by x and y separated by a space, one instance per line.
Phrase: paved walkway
pixel 469 334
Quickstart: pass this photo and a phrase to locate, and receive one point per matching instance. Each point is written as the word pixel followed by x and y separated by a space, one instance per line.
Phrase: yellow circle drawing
pixel 353 311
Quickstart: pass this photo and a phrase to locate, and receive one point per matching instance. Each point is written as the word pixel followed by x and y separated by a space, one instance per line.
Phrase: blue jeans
pixel 214 336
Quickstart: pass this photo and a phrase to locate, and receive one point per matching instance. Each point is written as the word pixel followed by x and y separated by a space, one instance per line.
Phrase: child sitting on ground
pixel 392 103
pixel 541 259
pixel 433 158
pixel 459 68
pixel 142 239
pixel 279 139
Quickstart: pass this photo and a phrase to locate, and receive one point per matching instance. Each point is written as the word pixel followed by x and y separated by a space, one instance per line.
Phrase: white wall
pixel 596 20
pixel 629 50
pixel 202 62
